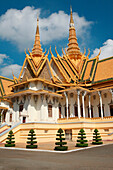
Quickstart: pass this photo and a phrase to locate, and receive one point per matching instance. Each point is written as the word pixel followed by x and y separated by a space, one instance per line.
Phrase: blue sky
pixel 93 22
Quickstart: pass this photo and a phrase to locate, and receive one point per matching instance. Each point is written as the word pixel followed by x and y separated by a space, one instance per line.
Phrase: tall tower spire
pixel 73 49
pixel 37 50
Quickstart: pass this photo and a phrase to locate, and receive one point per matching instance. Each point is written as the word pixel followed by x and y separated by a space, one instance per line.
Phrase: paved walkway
pixel 100 158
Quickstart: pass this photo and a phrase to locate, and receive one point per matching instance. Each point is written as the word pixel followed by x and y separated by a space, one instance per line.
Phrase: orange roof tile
pixel 88 70
pixel 5 84
pixel 104 70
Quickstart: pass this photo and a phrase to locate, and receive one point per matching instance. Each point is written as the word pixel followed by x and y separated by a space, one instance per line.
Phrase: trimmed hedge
pixel 10 142
pixel 97 140
pixel 60 143
pixel 61 148
pixel 82 145
pixel 81 139
pixel 31 146
pixel 31 140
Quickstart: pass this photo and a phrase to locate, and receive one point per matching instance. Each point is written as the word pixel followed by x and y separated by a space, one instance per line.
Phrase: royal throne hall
pixel 71 92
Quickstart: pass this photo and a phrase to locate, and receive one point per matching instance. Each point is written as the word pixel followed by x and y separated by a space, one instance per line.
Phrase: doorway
pixel 24 120
pixel 68 134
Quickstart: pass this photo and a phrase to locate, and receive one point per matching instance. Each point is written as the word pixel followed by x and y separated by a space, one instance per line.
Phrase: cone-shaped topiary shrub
pixel 96 138
pixel 81 139
pixel 60 144
pixel 10 142
pixel 31 140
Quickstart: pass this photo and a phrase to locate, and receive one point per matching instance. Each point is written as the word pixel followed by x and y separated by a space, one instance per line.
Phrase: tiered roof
pixel 73 69
pixel 4 86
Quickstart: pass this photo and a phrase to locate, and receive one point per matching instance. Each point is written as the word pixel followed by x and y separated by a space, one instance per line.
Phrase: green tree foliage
pixel 31 140
pixel 10 142
pixel 81 139
pixel 97 140
pixel 60 145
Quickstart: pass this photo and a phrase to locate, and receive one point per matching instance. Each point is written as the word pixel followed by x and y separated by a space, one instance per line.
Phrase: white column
pixel 78 98
pixel 66 95
pixel 111 90
pixel 2 115
pixel 100 96
pixel 83 105
pixel 62 115
pixel 89 105
pixel 43 115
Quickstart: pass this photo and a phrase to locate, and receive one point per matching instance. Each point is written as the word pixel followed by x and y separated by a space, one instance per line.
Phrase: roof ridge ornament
pixel 98 54
pixel 45 51
pixel 56 51
pixel 63 51
pixel 84 51
pixel 88 54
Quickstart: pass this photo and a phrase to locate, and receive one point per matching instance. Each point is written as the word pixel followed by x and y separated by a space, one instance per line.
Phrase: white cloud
pixel 18 26
pixel 2 57
pixel 7 70
pixel 56 26
pixel 106 50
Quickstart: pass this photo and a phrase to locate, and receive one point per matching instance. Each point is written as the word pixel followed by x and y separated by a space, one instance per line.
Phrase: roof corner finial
pixel 98 54
pixel 25 51
pixel 12 74
pixel 50 50
pixel 84 51
pixel 56 50
pixel 63 52
pixel 45 51
pixel 88 53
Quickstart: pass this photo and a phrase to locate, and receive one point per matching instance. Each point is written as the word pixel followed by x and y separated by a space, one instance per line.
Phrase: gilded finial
pixel 12 73
pixel 45 51
pixel 63 52
pixel 14 78
pixel 29 52
pixel 71 16
pixel 88 53
pixel 70 8
pixel 50 50
pixel 99 52
pixel 25 51
pixel 56 50
pixel 84 51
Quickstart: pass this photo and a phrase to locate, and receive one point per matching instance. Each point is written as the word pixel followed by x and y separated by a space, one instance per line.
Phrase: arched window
pixel 76 110
pixel 99 110
pixel 111 110
pixel 49 110
pixel 81 111
pixel 69 110
pixel 21 106
pixel 59 111
pixel 10 117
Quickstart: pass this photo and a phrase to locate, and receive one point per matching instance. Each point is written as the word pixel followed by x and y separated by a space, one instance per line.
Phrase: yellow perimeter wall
pixel 46 132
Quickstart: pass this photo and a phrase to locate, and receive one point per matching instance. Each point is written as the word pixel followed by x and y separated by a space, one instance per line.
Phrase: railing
pixel 86 119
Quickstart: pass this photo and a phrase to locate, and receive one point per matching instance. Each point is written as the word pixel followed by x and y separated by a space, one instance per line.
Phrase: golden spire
pixel 37 50
pixel 71 16
pixel 73 49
